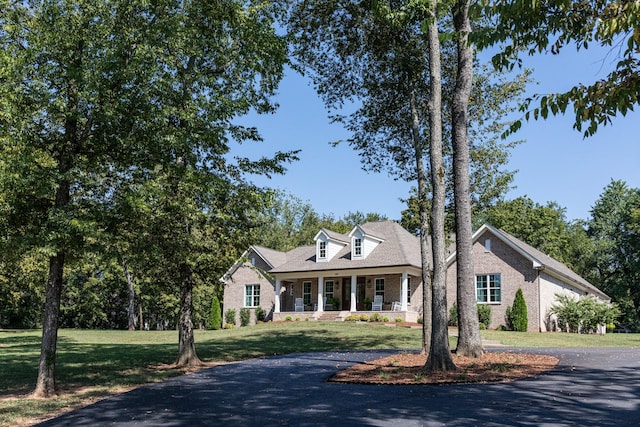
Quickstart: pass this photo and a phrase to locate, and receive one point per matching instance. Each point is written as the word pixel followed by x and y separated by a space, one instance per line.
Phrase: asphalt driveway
pixel 590 387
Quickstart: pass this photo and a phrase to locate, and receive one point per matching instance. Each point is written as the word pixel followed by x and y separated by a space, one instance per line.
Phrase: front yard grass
pixel 93 364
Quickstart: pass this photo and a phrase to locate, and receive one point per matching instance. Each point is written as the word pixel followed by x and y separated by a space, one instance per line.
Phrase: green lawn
pixel 92 364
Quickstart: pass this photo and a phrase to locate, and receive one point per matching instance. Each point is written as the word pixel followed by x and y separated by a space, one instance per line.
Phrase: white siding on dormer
pixel 331 249
pixel 369 243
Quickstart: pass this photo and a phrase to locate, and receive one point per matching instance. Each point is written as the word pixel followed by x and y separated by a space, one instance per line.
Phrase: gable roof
pixel 333 236
pixel 363 230
pixel 271 257
pixel 398 248
pixel 539 260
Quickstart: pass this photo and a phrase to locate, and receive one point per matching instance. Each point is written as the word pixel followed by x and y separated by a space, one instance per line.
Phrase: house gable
pixel 328 245
pixel 362 243
pixel 519 265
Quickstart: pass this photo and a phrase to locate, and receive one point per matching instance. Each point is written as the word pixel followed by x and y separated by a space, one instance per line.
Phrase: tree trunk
pixel 425 254
pixel 186 343
pixel 46 381
pixel 439 358
pixel 131 309
pixel 469 340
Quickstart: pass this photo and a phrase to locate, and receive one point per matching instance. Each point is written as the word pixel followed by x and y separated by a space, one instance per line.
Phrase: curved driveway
pixel 590 387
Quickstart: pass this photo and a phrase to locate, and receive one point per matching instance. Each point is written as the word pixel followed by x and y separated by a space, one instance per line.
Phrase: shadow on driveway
pixel 589 387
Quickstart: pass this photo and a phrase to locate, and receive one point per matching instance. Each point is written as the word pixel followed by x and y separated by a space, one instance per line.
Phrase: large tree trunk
pixel 469 340
pixel 46 382
pixel 131 309
pixel 439 358
pixel 425 254
pixel 186 343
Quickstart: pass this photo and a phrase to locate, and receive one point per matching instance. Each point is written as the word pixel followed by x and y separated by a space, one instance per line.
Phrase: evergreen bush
pixel 261 315
pixel 517 319
pixel 453 315
pixel 215 315
pixel 484 314
pixel 245 316
pixel 230 316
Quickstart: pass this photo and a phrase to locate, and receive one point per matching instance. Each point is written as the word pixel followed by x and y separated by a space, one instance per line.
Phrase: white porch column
pixel 320 293
pixel 354 284
pixel 403 291
pixel 276 303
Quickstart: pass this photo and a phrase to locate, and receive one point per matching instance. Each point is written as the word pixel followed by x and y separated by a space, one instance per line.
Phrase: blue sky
pixel 555 163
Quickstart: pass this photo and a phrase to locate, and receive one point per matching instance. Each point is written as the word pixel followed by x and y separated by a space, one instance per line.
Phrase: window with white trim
pixel 322 250
pixel 357 247
pixel 488 288
pixel 328 289
pixel 306 292
pixel 380 287
pixel 251 295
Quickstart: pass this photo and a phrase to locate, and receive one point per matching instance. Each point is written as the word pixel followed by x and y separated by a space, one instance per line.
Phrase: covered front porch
pixel 343 293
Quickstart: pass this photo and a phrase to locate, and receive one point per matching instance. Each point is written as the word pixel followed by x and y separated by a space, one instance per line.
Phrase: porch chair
pixel 324 304
pixel 299 306
pixel 396 306
pixel 377 303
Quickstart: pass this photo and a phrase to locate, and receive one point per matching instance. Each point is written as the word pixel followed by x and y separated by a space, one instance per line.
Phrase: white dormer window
pixel 357 247
pixel 322 250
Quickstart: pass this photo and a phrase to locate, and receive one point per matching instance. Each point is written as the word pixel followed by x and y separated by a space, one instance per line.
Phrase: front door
pixel 360 288
pixel 346 294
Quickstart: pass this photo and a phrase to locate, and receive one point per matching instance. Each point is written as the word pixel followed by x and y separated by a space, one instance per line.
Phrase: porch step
pixel 330 316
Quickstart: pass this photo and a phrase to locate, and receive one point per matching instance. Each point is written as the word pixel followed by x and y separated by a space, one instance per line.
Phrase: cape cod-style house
pixel 376 268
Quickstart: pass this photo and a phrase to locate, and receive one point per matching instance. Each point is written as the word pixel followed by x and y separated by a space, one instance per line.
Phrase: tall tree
pixel 614 227
pixel 100 95
pixel 439 358
pixel 63 66
pixel 469 340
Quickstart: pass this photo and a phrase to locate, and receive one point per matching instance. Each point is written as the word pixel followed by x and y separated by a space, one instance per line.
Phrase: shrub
pixel 229 326
pixel 482 326
pixel 419 320
pixel 583 315
pixel 261 315
pixel 375 317
pixel 364 318
pixel 352 318
pixel 215 315
pixel 288 318
pixel 245 316
pixel 399 320
pixel 230 316
pixel 484 314
pixel 453 315
pixel 517 319
pixel 385 319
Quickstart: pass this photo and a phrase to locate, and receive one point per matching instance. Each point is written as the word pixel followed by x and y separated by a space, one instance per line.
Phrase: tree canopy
pixel 551 25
